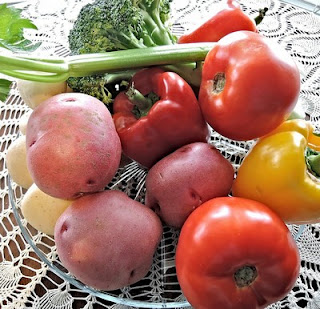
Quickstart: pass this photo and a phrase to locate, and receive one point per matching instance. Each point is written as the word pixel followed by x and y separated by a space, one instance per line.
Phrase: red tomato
pixel 249 86
pixel 235 253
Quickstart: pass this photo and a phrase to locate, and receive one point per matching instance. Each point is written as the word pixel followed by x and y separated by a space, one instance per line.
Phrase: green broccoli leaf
pixel 4 89
pixel 12 26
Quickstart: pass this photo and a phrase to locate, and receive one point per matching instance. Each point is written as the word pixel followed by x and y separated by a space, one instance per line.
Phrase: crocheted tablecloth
pixel 30 281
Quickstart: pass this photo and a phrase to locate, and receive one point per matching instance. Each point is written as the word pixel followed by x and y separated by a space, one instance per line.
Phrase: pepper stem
pixel 245 275
pixel 142 103
pixel 262 12
pixel 313 161
pixel 314 141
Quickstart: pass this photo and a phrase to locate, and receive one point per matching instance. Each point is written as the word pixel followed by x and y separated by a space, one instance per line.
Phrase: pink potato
pixel 72 145
pixel 107 240
pixel 185 179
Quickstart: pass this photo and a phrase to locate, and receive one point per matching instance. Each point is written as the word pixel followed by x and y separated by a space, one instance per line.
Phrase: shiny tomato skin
pixel 262 84
pixel 223 235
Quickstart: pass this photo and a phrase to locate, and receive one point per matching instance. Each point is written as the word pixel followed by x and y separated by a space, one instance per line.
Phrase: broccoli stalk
pixel 155 13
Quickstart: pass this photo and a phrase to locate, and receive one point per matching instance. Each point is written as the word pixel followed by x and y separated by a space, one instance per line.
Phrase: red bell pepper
pixel 229 18
pixel 157 115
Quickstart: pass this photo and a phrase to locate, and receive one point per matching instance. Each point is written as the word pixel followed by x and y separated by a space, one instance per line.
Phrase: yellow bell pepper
pixel 282 170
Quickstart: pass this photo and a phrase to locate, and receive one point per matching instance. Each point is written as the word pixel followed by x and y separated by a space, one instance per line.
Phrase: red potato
pixel 107 240
pixel 72 145
pixel 182 181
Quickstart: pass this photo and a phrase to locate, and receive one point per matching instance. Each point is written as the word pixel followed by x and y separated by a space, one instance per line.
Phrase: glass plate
pixel 159 288
pixel 165 293
pixel 291 27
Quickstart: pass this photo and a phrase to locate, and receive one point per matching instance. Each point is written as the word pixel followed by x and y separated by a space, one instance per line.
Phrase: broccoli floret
pixel 103 86
pixel 93 85
pixel 108 25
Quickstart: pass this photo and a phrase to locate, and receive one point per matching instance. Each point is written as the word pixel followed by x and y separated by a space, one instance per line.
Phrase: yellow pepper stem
pixel 313 161
pixel 314 141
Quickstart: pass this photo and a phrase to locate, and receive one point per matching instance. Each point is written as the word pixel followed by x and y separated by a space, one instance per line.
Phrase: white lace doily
pixel 28 281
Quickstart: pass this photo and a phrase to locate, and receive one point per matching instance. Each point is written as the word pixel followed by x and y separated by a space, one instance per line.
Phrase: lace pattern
pixel 28 261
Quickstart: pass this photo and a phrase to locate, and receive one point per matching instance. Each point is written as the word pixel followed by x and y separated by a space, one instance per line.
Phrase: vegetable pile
pixel 130 89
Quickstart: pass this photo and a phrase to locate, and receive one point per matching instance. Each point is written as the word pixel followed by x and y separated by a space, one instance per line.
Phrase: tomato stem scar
pixel 245 275
pixel 219 81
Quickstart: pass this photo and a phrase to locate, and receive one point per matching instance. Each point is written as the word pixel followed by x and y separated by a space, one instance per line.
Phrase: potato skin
pixel 42 210
pixel 34 93
pixel 186 178
pixel 23 121
pixel 72 145
pixel 16 161
pixel 107 240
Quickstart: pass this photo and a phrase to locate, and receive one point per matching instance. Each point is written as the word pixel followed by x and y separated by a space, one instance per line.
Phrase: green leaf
pixel 24 45
pixel 4 89
pixel 12 27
